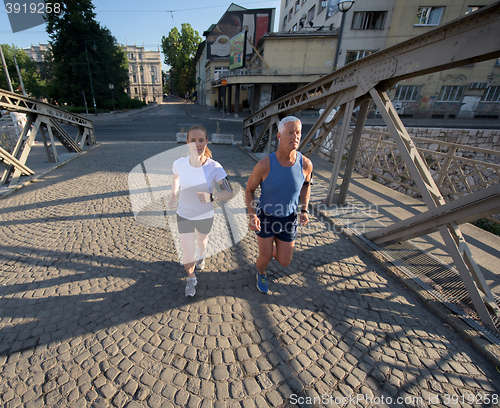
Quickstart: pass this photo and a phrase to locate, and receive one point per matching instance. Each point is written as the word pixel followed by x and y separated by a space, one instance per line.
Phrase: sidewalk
pixel 94 312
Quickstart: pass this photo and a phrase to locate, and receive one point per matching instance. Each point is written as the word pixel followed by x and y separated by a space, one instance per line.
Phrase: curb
pixel 34 177
pixel 490 350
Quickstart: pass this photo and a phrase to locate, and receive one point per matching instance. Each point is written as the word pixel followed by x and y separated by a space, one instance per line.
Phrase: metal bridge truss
pixel 466 40
pixel 47 119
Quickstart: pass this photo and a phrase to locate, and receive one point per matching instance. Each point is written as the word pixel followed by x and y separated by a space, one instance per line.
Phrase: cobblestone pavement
pixel 93 312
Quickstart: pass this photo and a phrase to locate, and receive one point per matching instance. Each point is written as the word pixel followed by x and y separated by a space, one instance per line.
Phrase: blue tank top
pixel 280 190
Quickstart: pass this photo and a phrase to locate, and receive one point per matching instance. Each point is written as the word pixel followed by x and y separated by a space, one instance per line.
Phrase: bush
pixel 122 103
pixel 487 225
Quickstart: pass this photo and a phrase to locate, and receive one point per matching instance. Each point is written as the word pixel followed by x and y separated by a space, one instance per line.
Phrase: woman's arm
pixel 174 189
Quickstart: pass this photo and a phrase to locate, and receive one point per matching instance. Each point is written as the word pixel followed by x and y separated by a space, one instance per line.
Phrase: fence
pixel 9 135
pixel 457 169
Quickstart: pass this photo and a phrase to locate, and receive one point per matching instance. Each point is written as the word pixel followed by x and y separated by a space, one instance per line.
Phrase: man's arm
pixel 305 191
pixel 259 172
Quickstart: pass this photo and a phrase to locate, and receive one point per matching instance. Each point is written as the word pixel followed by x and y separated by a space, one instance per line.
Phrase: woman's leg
pixel 188 249
pixel 202 241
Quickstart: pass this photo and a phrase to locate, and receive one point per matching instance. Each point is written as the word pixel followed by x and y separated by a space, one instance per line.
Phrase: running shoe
pixel 262 283
pixel 191 287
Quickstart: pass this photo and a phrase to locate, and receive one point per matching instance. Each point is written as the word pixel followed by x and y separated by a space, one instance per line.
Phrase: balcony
pixel 259 74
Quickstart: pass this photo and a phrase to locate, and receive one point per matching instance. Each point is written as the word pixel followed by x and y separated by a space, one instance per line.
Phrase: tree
pixel 179 50
pixel 79 45
pixel 31 80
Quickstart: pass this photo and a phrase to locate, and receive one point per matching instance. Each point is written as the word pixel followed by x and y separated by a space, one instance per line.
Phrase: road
pixel 160 124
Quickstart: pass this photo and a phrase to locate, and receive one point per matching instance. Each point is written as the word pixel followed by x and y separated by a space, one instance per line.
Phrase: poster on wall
pixel 332 8
pixel 237 50
pixel 255 22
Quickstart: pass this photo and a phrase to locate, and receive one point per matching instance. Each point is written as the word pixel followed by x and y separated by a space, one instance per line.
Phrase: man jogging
pixel 284 178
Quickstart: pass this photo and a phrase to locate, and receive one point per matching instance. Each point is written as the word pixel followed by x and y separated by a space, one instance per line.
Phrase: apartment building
pixel 310 38
pixel 37 52
pixel 145 77
pixel 471 91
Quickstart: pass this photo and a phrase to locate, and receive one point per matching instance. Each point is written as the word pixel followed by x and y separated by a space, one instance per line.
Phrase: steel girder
pixel 44 117
pixel 466 40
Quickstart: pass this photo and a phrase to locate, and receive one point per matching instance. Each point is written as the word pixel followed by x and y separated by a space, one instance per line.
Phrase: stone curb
pixel 488 349
pixel 34 177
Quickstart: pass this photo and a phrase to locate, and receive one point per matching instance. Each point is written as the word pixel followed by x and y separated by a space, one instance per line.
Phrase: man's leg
pixel 265 253
pixel 284 252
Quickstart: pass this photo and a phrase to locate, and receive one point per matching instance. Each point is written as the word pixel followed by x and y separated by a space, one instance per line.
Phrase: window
pixel 135 79
pixel 407 93
pixel 450 93
pixel 297 5
pixel 286 2
pixel 497 62
pixel 303 1
pixel 285 20
pixel 135 91
pixel 310 14
pixel 371 20
pixel 294 27
pixel 429 15
pixel 290 13
pixel 356 55
pixel 322 4
pixel 218 72
pixel 471 9
pixel 492 94
pixel 479 85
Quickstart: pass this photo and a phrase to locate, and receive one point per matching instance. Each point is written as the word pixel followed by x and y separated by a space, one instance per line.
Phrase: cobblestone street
pixel 93 312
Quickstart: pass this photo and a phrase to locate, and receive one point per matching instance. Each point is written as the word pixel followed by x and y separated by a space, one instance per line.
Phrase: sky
pixel 142 23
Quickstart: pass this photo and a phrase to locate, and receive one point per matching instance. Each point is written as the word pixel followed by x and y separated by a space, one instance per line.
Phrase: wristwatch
pixel 212 198
pixel 304 211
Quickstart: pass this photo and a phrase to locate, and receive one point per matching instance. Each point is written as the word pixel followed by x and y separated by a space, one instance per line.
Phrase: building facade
pixel 145 76
pixel 310 39
pixel 37 52
pixel 471 91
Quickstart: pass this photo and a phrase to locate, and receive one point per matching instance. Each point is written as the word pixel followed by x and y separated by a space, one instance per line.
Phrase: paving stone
pixel 93 299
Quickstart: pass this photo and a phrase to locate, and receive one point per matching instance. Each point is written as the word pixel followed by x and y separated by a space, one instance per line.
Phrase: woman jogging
pixel 196 175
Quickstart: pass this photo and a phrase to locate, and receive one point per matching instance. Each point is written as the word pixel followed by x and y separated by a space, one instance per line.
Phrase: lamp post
pixel 90 75
pixel 344 6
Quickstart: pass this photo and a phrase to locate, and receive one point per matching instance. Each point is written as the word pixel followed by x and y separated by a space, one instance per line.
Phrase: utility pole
pixel 4 65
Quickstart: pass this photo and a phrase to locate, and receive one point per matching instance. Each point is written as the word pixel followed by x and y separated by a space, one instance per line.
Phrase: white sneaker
pixel 200 262
pixel 191 287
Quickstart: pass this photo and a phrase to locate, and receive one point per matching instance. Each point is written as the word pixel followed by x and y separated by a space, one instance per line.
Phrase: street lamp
pixel 90 76
pixel 344 6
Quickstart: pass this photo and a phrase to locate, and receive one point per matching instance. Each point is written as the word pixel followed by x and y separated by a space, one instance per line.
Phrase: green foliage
pixel 488 225
pixel 179 50
pixel 79 45
pixel 33 84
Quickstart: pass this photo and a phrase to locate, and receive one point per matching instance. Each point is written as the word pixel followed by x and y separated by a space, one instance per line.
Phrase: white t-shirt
pixel 194 180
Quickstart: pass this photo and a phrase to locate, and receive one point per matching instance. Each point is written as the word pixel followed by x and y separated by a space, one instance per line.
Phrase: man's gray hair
pixel 281 125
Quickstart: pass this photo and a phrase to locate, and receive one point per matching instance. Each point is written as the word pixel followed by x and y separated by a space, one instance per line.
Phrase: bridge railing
pixel 457 169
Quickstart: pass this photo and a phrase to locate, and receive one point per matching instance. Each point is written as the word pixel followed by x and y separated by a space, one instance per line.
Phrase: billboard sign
pixel 332 8
pixel 237 50
pixel 255 22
